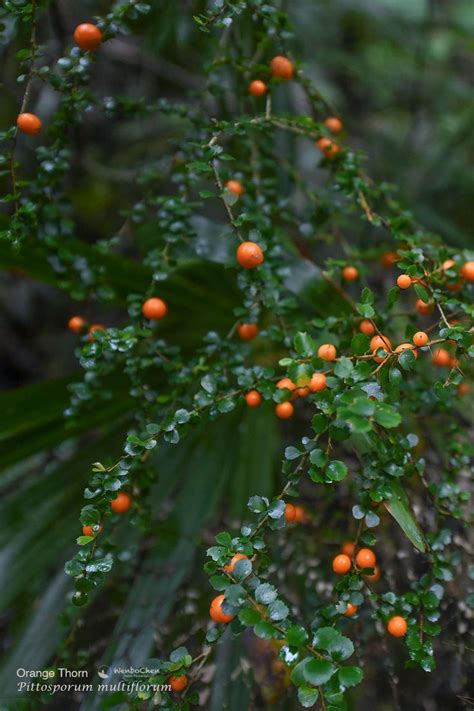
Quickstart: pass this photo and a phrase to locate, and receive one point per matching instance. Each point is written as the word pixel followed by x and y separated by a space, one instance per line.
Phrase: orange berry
pixel 290 513
pixel 404 281
pixel 397 626
pixel 448 264
pixel 281 67
pixel 249 255
pixel 235 558
pixel 76 324
pixel 341 564
pixel 87 36
pixel 253 398
pixel 94 327
pixel 286 383
pixel 404 347
pixel 216 612
pixel 300 392
pixel 154 309
pixel 300 514
pixel 350 273
pixel 284 410
pixel 348 548
pixel 328 147
pixel 178 683
pixel 365 558
pixel 388 259
pixel 317 382
pixel 367 327
pixel 121 503
pixel 441 357
pixel 463 389
pixel 420 339
pixel 350 610
pixel 467 271
pixel 234 186
pixel 334 124
pixel 89 531
pixel 327 352
pixel 380 342
pixel 424 307
pixel 454 287
pixel 29 124
pixel 373 577
pixel 257 88
pixel 247 331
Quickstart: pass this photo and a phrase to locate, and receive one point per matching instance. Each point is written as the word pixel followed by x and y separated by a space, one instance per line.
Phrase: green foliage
pixel 354 447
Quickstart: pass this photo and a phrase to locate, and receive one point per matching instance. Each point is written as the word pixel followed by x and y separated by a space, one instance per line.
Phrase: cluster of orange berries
pixel 404 281
pixel 330 148
pixel 120 505
pixel 88 37
pixel 153 309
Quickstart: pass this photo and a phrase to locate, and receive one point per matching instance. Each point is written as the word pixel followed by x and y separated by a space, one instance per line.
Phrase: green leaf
pixel 336 470
pixel 399 507
pixel 318 671
pixel 350 676
pixel 386 415
pixel 307 696
pixel 296 636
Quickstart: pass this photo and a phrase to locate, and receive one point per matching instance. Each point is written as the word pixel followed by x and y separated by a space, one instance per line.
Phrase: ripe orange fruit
pixel 89 531
pixel 380 342
pixel 463 389
pixel 424 307
pixel 94 327
pixel 121 503
pixel 327 352
pixel 404 347
pixel 350 610
pixel 178 683
pixel 234 186
pixel 154 309
pixel 454 287
pixel 300 392
pixel 328 147
pixel 447 264
pixel 441 358
pixel 235 558
pixel 281 67
pixel 334 124
pixel 467 271
pixel 247 331
pixel 286 383
pixel 420 339
pixel 348 548
pixel 257 88
pixel 367 327
pixel 284 410
pixel 365 558
pixel 216 612
pixel 388 259
pixel 397 626
pixel 29 123
pixel 341 564
pixel 404 281
pixel 76 324
pixel 290 513
pixel 253 398
pixel 300 514
pixel 249 255
pixel 317 382
pixel 87 36
pixel 373 577
pixel 350 273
